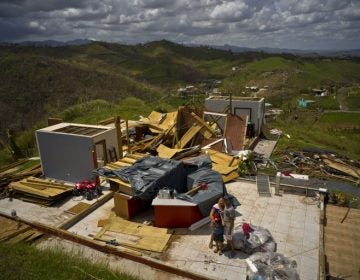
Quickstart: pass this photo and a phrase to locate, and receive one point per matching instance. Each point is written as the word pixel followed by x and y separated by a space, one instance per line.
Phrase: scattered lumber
pixel 19 170
pixel 12 232
pixel 134 235
pixel 342 167
pixel 225 164
pixel 40 191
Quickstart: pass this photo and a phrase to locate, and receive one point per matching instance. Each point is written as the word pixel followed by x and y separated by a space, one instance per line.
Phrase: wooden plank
pixel 122 186
pixel 47 193
pixel 13 232
pixel 222 158
pixel 11 166
pixel 111 250
pixel 136 156
pixel 212 143
pixel 72 221
pixel 31 168
pixel 166 152
pixel 144 237
pixel 117 165
pixel 119 136
pixel 343 167
pixel 128 160
pixel 43 186
pixel 223 169
pixel 20 237
pixel 188 136
pixel 215 114
pixel 207 130
pixel 229 177
pixel 78 208
pixel 46 181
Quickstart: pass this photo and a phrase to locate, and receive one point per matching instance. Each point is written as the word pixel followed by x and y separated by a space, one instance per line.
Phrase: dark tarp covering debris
pixel 204 174
pixel 150 174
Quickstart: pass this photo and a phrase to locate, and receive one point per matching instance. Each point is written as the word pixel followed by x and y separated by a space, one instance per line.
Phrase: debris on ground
pixel 251 239
pixel 12 231
pixel 134 235
pixel 19 170
pixel 272 266
pixel 319 163
pixel 40 191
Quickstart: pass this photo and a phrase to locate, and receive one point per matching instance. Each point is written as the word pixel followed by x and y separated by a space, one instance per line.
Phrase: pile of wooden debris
pixel 40 191
pixel 322 164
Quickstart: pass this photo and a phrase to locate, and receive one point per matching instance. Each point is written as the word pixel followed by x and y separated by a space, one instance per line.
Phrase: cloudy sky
pixel 299 24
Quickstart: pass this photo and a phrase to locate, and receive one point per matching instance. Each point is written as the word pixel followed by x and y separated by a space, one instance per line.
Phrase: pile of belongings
pixel 271 266
pixel 251 239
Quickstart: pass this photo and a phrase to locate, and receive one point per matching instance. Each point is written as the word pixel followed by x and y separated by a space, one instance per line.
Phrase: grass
pixel 341 118
pixel 334 131
pixel 352 100
pixel 325 103
pixel 98 80
pixel 28 263
pixel 270 64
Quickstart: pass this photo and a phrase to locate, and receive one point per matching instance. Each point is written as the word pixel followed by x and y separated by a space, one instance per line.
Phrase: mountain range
pixel 233 48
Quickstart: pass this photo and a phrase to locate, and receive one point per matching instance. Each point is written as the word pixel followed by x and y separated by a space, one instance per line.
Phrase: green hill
pixel 38 82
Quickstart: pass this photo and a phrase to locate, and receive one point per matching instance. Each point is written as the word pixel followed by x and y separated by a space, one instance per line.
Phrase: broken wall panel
pixel 235 132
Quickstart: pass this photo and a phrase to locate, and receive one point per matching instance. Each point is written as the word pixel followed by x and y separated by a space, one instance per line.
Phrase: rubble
pixel 320 163
pixel 272 266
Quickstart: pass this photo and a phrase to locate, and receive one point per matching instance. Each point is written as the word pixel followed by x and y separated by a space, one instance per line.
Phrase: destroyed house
pixel 252 107
pixel 70 152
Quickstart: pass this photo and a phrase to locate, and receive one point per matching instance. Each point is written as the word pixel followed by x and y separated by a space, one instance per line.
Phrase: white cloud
pixel 251 23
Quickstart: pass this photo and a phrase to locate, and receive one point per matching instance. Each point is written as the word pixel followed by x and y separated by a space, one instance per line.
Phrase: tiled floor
pixel 293 221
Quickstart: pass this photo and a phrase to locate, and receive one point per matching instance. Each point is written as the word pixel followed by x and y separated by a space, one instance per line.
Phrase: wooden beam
pixel 215 114
pixel 108 249
pixel 119 137
pixel 128 137
pixel 72 221
pixel 204 124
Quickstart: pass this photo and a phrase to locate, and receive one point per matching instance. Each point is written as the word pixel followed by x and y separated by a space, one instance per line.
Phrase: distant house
pixel 252 107
pixel 302 103
pixel 186 91
pixel 252 88
pixel 320 92
pixel 216 91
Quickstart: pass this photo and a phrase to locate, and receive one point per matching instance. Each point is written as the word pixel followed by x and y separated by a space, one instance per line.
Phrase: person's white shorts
pixel 226 230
